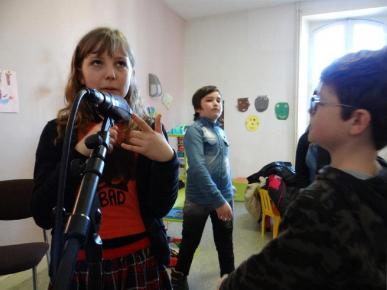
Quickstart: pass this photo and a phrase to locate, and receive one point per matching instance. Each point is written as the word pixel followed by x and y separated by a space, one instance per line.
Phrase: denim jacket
pixel 208 176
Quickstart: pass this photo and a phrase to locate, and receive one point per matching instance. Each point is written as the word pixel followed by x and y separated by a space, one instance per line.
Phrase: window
pixel 322 41
pixel 339 38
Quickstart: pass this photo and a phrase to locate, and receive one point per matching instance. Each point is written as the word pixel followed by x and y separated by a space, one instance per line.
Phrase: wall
pixel 37 41
pixel 248 54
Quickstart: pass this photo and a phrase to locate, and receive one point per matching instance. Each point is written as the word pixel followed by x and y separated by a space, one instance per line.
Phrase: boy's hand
pixel 148 142
pixel 220 281
pixel 224 212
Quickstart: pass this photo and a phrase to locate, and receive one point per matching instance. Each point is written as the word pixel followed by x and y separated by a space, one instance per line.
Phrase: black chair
pixel 15 203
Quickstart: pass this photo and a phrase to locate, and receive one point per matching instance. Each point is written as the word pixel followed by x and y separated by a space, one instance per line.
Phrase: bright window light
pixel 335 40
pixel 327 40
pixel 367 36
pixel 328 45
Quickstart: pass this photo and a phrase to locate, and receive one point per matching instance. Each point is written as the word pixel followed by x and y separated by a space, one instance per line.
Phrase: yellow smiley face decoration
pixel 252 123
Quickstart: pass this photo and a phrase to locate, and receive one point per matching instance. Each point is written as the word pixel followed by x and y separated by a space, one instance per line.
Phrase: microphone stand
pixel 83 224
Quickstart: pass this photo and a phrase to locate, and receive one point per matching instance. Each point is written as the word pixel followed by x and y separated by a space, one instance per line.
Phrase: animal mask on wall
pixel 281 111
pixel 243 104
pixel 261 103
pixel 252 123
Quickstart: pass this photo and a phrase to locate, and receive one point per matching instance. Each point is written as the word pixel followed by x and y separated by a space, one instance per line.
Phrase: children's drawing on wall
pixel 9 101
pixel 243 104
pixel 281 110
pixel 261 103
pixel 167 100
pixel 252 123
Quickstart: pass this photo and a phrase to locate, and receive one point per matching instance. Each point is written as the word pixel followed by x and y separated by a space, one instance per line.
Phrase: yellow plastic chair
pixel 269 209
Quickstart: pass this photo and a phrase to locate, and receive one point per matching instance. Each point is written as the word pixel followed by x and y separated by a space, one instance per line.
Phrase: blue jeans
pixel 194 220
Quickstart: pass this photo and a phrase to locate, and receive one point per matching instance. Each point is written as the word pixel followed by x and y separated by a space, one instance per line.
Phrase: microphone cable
pixel 58 239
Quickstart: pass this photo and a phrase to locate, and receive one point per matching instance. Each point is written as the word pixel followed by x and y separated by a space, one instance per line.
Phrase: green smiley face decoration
pixel 281 110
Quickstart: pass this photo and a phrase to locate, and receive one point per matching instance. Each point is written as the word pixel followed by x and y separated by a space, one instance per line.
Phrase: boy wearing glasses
pixel 334 234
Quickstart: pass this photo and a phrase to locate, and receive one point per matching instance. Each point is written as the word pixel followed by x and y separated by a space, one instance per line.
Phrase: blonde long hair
pixel 99 40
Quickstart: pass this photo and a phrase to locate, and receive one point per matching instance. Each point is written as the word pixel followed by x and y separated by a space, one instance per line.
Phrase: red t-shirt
pixel 121 216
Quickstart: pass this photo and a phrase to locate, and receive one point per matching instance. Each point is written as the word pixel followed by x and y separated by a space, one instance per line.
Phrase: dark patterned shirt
pixel 333 236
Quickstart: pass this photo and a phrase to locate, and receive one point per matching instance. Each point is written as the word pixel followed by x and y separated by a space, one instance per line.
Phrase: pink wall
pixel 37 41
pixel 38 45
pixel 157 37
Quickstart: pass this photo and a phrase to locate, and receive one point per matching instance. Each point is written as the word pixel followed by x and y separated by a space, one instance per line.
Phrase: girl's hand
pixel 224 212
pixel 148 142
pixel 81 146
pixel 113 138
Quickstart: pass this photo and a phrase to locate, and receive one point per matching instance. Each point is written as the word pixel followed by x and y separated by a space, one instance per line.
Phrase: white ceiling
pixel 189 9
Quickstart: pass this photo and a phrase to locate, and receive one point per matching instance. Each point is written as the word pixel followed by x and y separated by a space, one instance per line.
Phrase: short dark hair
pixel 199 95
pixel 360 80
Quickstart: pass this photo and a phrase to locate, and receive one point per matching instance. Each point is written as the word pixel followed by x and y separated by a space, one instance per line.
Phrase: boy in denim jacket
pixel 209 189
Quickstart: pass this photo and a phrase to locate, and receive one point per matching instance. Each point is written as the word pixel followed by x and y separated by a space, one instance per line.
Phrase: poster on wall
pixel 9 101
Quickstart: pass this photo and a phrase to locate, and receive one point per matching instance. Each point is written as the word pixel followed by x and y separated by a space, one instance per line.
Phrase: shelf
pixel 180 152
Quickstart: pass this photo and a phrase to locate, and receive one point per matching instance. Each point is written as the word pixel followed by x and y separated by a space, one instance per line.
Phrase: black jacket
pixel 333 236
pixel 157 187
pixel 303 178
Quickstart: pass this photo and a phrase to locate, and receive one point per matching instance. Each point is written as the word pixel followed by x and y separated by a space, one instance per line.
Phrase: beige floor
pixel 205 271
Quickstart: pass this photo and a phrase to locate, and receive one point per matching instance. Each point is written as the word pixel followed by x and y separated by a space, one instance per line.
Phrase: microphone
pixel 112 106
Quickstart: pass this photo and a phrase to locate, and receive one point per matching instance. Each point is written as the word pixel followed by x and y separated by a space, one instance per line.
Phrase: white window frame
pixel 309 26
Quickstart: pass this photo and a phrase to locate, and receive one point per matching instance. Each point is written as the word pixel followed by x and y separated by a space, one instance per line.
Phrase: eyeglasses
pixel 315 103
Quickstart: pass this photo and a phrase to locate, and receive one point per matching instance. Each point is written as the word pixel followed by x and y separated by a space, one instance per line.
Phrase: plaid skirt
pixel 137 271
